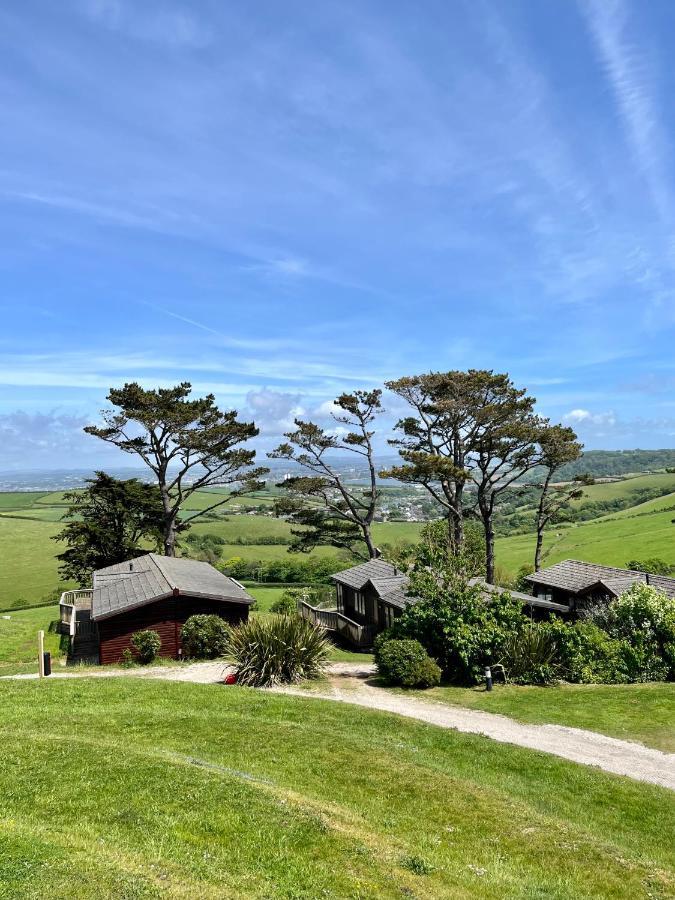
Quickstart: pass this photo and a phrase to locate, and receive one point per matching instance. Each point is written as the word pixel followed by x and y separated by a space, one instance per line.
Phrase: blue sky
pixel 280 201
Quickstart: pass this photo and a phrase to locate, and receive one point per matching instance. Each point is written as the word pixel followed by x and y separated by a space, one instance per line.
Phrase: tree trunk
pixel 169 536
pixel 373 551
pixel 538 548
pixel 170 540
pixel 486 515
pixel 459 519
pixel 541 519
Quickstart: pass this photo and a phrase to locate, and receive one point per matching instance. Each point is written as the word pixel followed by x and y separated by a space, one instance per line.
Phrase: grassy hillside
pixel 28 520
pixel 611 540
pixel 662 481
pixel 28 569
pixel 177 790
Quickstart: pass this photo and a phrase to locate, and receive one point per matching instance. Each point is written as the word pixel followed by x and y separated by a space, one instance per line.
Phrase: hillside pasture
pixel 610 490
pixel 29 569
pixel 611 540
pixel 150 789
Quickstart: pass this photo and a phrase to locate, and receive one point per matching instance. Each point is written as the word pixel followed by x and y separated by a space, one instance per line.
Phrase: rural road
pixel 349 684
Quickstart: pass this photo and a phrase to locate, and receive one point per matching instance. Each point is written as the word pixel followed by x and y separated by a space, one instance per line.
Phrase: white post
pixel 41 653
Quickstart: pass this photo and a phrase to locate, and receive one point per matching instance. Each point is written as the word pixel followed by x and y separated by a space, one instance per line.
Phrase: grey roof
pixel 358 576
pixel 576 577
pixel 148 578
pixel 518 595
pixel 392 588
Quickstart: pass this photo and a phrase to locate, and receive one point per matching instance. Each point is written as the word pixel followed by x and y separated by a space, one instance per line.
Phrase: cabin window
pixel 338 591
pixel 388 616
pixel 545 595
pixel 360 603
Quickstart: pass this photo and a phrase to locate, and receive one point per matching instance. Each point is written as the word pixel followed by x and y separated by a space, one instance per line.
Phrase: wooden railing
pixel 332 620
pixel 69 604
pixel 81 599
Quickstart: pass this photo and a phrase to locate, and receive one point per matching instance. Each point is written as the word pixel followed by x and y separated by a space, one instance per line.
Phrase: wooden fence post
pixel 41 653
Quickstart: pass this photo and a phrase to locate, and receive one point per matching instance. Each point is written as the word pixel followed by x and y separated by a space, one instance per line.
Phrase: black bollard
pixel 488 678
pixel 47 663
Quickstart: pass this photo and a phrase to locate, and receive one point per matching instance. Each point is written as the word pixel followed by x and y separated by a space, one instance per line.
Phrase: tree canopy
pixel 188 444
pixel 107 523
pixel 327 509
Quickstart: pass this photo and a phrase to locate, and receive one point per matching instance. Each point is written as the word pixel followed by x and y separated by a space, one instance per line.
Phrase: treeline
pixel 604 463
pixel 284 571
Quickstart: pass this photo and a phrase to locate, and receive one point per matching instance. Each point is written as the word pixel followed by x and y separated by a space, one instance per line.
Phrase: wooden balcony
pixel 69 603
pixel 336 622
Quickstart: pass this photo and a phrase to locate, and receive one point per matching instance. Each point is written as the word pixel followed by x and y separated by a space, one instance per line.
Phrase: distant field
pixel 28 520
pixel 627 486
pixel 28 569
pixel 659 504
pixel 612 540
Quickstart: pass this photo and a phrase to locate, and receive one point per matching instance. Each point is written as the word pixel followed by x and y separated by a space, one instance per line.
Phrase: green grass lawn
pixel 633 712
pixel 18 639
pixel 126 788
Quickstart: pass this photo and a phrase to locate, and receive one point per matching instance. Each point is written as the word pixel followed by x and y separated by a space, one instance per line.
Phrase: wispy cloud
pixel 172 26
pixel 629 68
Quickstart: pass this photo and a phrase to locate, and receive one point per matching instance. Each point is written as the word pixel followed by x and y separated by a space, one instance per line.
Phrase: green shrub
pixel 428 674
pixel 654 565
pixel 405 662
pixel 586 654
pixel 277 650
pixel 146 644
pixel 456 625
pixel 127 658
pixel 530 656
pixel 287 604
pixel 204 637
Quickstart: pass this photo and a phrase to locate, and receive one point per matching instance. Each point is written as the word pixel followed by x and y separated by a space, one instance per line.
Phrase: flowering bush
pixel 643 620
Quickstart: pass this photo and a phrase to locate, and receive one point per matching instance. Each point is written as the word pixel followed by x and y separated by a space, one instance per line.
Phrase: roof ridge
pixel 154 559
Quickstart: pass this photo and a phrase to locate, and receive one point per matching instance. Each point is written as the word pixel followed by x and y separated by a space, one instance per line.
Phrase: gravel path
pixel 578 745
pixel 349 684
pixel 197 673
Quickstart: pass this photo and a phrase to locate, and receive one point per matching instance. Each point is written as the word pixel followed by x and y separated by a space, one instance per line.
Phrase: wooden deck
pixel 75 621
pixel 332 620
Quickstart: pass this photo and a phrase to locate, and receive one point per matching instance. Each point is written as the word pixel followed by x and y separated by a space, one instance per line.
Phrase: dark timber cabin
pixel 575 584
pixel 151 592
pixel 368 598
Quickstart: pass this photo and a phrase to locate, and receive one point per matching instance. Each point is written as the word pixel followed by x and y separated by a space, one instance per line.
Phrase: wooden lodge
pixel 575 584
pixel 370 596
pixel 151 592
